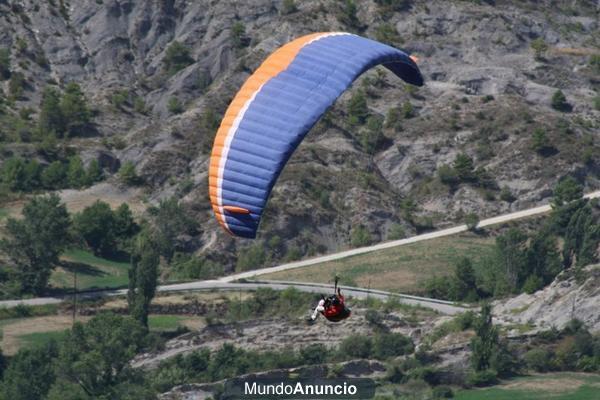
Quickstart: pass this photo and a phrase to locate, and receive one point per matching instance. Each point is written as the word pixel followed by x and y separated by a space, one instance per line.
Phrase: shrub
pixel 356 346
pixel 559 101
pixel 471 220
pixel 506 195
pixel 532 284
pixel 347 14
pixel 482 378
pixel 540 142
pixel 74 109
pixel 396 232
pixel 288 7
pixel 540 47
pixel 387 33
pixel 357 108
pixel 566 191
pixel 538 359
pixel 360 237
pixel 55 176
pixel 252 257
pixel 119 98
pixel 407 110
pixel 448 175
pixel 174 106
pixel 388 345
pixel 177 57
pixel 238 35
pixel 76 175
pixel 372 137
pixel 127 174
pixel 463 165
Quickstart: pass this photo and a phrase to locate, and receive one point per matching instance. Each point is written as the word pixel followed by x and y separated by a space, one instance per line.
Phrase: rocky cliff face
pixel 554 306
pixel 486 93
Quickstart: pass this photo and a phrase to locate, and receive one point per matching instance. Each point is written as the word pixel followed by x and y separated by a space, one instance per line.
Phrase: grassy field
pixel 165 322
pixel 559 386
pixel 92 272
pixel 400 269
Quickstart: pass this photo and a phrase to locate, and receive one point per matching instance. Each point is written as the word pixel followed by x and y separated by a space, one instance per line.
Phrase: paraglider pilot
pixel 332 307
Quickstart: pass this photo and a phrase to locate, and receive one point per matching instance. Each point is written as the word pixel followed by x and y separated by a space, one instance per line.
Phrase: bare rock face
pixel 557 304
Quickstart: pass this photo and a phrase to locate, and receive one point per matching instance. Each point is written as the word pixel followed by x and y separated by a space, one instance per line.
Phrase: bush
pixel 174 106
pixel 360 237
pixel 566 190
pixel 396 232
pixel 448 175
pixel 238 35
pixel 471 220
pixel 532 284
pixel 356 346
pixel 506 195
pixel 540 142
pixel 357 108
pixel 55 176
pixel 288 7
pixel 177 57
pixel 252 257
pixel 486 377
pixel 443 392
pixel 540 47
pixel 76 175
pixel 127 174
pixel 388 345
pixel 538 359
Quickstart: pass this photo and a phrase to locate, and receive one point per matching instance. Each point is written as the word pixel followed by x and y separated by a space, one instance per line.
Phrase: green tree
pixel 357 108
pixel 540 142
pixel 464 167
pixel 93 173
pixel 54 175
pixel 13 173
pixel 95 224
pixel 127 174
pixel 238 35
pixel 511 259
pixel 464 285
pixel 51 119
pixel 372 137
pixel 76 175
pixel 566 190
pixel 96 355
pixel 252 257
pixel 30 374
pixel 171 221
pixel 177 57
pixel 485 342
pixel 124 224
pixel 75 109
pixel 143 276
pixel 4 64
pixel 543 261
pixel 559 101
pixel 34 243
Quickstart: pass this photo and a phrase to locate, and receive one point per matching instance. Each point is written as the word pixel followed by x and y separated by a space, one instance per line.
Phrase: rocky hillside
pixel 158 75
pixel 554 306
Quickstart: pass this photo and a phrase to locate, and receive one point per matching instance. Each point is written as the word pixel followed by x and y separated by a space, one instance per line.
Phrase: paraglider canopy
pixel 275 109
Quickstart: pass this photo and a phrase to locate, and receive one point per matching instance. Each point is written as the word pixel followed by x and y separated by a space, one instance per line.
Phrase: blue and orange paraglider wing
pixel 274 110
